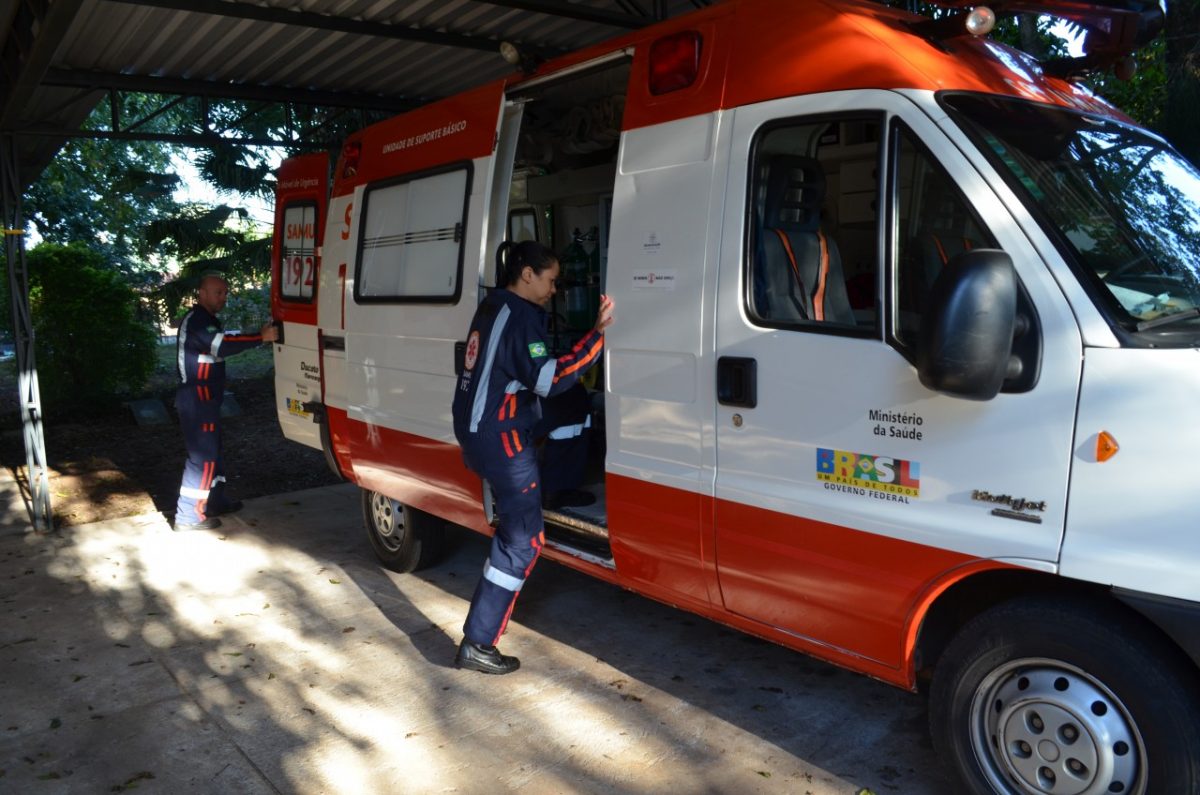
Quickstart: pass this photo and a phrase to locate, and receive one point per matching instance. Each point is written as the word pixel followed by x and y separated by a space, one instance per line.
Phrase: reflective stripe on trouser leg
pixel 515 544
pixel 204 470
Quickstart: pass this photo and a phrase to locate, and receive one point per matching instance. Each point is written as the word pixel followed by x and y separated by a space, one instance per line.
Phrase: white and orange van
pixel 904 373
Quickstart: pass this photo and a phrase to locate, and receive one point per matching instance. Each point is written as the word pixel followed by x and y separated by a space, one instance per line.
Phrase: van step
pixel 571 534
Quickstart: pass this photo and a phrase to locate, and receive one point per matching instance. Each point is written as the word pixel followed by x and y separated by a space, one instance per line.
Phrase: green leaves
pixel 94 343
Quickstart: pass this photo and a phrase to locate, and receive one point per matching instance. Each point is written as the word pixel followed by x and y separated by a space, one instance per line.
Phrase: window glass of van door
pixel 812 242
pixel 410 246
pixel 298 252
pixel 934 223
pixel 1120 204
pixel 933 229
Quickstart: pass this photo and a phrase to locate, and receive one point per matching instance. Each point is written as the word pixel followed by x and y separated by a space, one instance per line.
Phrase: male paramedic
pixel 201 350
pixel 507 370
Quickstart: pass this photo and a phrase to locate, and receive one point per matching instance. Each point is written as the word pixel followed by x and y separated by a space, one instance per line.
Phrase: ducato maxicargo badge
pixel 472 351
pixel 867 475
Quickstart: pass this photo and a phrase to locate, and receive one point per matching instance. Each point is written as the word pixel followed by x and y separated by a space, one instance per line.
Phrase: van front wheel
pixel 1037 697
pixel 403 538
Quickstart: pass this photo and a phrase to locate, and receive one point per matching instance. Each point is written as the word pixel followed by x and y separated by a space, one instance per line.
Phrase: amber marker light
pixel 1106 446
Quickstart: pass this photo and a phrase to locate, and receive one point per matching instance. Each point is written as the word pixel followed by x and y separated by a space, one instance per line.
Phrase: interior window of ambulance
pixel 813 241
pixel 1122 206
pixel 411 241
pixel 522 225
pixel 298 252
pixel 934 224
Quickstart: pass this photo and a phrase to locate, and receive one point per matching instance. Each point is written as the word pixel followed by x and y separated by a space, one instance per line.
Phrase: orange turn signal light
pixel 1106 446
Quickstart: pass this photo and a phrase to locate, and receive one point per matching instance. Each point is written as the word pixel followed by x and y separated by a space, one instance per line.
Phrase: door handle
pixel 737 381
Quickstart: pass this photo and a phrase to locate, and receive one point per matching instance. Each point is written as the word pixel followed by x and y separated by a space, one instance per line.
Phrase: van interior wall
pixel 851 202
pixel 565 170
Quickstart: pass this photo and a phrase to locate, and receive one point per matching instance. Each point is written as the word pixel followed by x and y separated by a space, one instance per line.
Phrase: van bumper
pixel 1179 618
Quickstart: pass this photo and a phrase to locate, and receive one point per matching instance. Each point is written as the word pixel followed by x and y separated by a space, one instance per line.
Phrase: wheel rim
pixel 388 521
pixel 1042 727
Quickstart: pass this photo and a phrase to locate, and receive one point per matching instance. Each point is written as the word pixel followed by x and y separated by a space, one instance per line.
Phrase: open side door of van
pixel 301 196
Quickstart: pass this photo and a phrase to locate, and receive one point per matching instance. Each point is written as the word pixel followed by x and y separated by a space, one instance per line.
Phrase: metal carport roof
pixel 60 58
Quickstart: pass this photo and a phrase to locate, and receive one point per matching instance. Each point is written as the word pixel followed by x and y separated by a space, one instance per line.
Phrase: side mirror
pixel 965 341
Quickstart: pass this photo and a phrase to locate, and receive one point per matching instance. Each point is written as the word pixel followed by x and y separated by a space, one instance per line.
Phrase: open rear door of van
pixel 301 195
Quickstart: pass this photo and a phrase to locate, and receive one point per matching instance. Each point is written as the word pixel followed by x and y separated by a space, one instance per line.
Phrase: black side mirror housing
pixel 965 341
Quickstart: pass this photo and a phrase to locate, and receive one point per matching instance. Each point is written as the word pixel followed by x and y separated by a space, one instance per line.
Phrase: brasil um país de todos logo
pixel 872 472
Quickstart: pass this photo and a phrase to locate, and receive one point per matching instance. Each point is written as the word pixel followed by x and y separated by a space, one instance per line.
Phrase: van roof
pixel 753 51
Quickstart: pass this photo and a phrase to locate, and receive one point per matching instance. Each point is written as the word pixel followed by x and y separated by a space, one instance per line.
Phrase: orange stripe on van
pixel 867 590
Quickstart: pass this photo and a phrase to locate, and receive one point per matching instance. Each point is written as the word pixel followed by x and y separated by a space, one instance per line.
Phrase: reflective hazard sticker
pixel 472 351
pixel 537 349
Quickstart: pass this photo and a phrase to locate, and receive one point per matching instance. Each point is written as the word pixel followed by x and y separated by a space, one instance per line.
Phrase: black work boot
pixel 485 659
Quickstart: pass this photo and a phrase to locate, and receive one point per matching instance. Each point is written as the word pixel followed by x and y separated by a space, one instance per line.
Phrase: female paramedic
pixel 507 370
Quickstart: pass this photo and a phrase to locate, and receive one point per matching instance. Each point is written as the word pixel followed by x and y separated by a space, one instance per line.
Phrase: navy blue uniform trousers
pixel 518 539
pixel 202 491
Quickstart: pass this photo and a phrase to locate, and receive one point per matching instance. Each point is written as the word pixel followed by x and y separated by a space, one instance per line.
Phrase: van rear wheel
pixel 1054 698
pixel 403 538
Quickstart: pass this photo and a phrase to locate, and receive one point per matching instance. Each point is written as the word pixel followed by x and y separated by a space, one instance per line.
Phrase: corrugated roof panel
pixel 109 36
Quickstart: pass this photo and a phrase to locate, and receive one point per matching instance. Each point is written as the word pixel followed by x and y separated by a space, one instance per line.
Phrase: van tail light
pixel 1106 446
pixel 351 152
pixel 674 62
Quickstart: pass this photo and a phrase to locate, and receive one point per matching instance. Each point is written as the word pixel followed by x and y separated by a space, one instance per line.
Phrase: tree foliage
pixel 205 239
pixel 93 338
pixel 102 194
pixel 1181 105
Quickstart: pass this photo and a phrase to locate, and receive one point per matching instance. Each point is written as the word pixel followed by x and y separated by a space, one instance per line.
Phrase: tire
pixel 1041 697
pixel 403 538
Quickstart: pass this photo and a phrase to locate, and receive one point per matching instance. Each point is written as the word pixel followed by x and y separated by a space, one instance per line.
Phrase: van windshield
pixel 1123 206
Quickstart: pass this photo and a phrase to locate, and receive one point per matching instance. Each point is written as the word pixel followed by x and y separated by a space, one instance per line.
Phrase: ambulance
pixel 905 372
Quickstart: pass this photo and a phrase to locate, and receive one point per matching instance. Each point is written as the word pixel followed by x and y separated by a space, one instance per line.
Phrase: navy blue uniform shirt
pixel 508 366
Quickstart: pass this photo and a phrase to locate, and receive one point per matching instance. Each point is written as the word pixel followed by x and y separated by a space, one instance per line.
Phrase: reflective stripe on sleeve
pixel 216 343
pixel 505 581
pixel 181 346
pixel 204 358
pixel 489 357
pixel 545 378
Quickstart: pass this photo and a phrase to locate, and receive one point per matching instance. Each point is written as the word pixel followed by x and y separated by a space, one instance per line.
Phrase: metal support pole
pixel 18 288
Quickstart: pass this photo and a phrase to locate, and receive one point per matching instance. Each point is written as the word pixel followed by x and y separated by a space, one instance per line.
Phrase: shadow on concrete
pixel 276 655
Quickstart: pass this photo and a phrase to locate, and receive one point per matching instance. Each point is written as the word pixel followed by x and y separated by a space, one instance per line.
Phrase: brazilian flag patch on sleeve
pixel 537 349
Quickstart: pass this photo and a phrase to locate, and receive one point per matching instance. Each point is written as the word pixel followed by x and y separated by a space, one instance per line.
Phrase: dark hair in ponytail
pixel 511 259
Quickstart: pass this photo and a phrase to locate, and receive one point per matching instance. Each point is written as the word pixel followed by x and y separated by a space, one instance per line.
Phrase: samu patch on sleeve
pixel 537 349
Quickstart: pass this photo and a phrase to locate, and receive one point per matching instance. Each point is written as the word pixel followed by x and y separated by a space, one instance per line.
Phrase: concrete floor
pixel 274 655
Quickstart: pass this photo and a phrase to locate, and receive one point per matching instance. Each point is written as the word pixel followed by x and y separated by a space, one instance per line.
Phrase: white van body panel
pixel 336 291
pixel 816 391
pixel 1134 520
pixel 659 366
pixel 298 381
pixel 400 356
